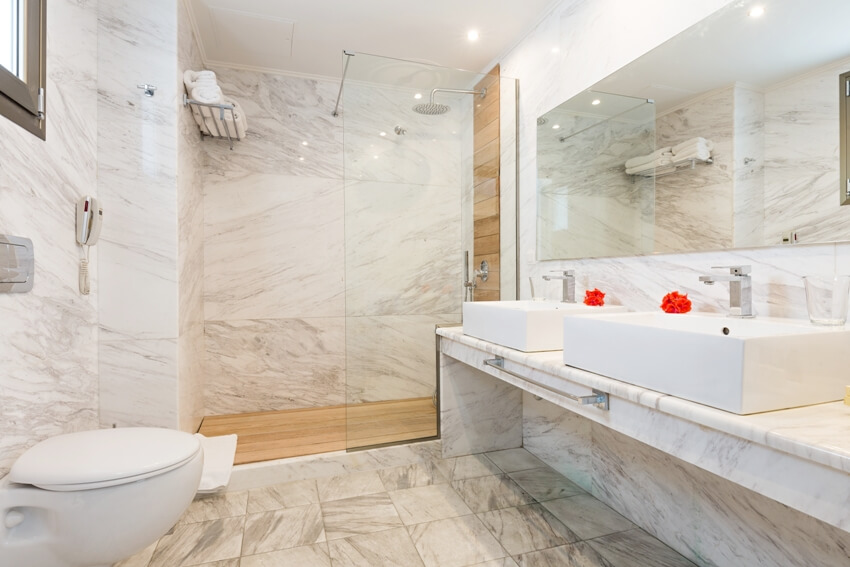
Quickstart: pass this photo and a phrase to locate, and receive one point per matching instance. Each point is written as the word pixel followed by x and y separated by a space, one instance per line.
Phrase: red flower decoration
pixel 594 298
pixel 675 303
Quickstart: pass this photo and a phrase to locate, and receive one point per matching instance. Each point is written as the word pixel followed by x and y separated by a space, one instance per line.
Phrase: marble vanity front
pixel 799 457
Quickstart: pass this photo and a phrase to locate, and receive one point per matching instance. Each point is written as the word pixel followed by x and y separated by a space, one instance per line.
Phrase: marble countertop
pixel 819 433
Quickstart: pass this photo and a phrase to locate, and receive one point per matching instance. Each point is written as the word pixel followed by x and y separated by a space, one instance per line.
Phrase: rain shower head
pixel 435 108
pixel 431 108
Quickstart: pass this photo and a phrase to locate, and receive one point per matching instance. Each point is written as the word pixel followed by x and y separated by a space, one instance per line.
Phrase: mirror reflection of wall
pixel 762 93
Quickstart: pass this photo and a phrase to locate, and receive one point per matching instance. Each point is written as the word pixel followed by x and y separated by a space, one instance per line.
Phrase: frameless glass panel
pixel 11 48
pixel 408 217
pixel 582 149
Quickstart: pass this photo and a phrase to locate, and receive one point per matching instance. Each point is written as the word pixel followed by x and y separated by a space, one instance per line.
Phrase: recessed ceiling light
pixel 596 101
pixel 304 143
pixel 472 35
pixel 383 133
pixel 556 49
pixel 555 126
pixel 417 96
pixel 756 12
pixel 301 159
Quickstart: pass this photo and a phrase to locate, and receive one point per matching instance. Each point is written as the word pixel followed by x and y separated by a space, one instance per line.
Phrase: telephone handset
pixel 89 221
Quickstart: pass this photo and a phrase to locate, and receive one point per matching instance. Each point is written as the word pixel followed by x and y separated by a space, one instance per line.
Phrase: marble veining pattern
pixel 48 340
pixel 433 526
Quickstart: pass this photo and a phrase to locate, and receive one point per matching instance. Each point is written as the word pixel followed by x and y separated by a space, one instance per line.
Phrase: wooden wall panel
pixel 485 163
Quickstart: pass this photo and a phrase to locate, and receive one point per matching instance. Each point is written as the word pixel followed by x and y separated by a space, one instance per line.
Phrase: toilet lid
pixel 103 457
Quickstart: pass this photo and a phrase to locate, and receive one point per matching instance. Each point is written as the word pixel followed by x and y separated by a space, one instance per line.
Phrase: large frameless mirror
pixel 748 100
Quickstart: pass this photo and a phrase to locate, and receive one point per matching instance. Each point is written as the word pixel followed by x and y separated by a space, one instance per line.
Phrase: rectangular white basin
pixel 529 326
pixel 738 365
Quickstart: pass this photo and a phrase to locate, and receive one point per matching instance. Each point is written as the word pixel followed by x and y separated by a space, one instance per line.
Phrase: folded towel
pixel 640 160
pixel 693 142
pixel 651 166
pixel 209 94
pixel 218 462
pixel 696 152
pixel 194 79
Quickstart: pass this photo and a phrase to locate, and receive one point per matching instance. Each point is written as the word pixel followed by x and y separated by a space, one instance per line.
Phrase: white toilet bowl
pixel 92 498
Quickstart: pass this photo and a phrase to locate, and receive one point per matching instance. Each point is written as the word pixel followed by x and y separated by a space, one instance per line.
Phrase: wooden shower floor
pixel 268 435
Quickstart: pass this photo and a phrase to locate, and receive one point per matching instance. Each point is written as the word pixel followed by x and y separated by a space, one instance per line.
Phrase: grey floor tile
pixel 140 559
pixel 215 506
pixel 388 548
pixel 578 554
pixel 283 529
pixel 455 542
pixel 587 516
pixel 286 495
pixel 636 548
pixel 359 515
pixel 428 503
pixel 315 555
pixel 511 460
pixel 545 484
pixel 349 485
pixel 490 493
pixel 469 466
pixel 503 562
pixel 526 528
pixel 200 542
pixel 411 476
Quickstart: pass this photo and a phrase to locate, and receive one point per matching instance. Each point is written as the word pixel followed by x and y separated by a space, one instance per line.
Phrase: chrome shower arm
pixel 482 92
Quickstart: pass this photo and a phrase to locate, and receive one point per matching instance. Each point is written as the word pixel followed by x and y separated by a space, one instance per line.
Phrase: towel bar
pixel 598 399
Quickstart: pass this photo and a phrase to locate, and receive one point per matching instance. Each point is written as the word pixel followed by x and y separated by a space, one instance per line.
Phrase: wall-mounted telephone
pixel 89 221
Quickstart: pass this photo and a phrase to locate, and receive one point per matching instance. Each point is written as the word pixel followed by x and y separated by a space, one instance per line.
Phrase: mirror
pixel 751 104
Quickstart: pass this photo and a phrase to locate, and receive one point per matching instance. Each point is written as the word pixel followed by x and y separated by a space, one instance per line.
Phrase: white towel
pixel 218 462
pixel 193 79
pixel 640 160
pixel 695 152
pixel 209 94
pixel 688 145
pixel 650 167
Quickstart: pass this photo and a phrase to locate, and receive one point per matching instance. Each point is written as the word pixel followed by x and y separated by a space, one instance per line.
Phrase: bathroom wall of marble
pixel 48 340
pixel 303 264
pixel 148 181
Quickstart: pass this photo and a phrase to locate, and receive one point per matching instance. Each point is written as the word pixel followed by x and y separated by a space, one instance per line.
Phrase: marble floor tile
pixel 359 515
pixel 428 503
pixel 587 517
pixel 579 554
pixel 199 543
pixel 140 559
pixel 503 562
pixel 526 528
pixel 636 548
pixel 545 484
pixel 388 548
pixel 490 493
pixel 455 542
pixel 411 476
pixel 349 486
pixel 511 460
pixel 215 506
pixel 286 495
pixel 469 466
pixel 315 555
pixel 224 563
pixel 283 529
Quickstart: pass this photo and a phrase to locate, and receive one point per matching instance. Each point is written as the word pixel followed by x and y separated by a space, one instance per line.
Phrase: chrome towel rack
pixel 222 130
pixel 598 399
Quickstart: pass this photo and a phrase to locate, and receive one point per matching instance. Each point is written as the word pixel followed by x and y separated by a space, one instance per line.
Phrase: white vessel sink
pixel 529 326
pixel 738 365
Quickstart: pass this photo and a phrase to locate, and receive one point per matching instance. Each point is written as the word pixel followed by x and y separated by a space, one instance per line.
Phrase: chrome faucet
pixel 740 289
pixel 568 292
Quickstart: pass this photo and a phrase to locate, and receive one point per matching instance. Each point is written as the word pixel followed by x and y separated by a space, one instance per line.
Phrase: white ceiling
pixel 308 37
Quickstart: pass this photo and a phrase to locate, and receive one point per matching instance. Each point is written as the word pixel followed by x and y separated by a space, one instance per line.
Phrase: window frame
pixel 23 101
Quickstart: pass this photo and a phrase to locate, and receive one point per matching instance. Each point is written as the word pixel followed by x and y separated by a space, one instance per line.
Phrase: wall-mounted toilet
pixel 92 498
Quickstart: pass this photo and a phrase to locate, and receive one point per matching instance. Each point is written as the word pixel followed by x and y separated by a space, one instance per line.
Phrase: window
pixel 22 63
pixel 844 85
